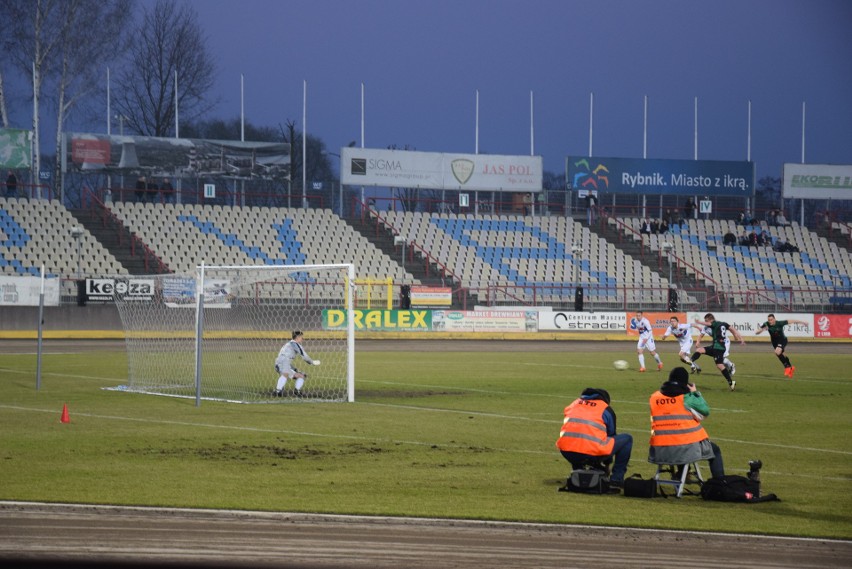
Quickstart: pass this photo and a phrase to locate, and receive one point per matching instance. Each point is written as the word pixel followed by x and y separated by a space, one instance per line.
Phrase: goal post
pixel 215 333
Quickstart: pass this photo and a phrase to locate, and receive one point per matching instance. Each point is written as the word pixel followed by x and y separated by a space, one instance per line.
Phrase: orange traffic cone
pixel 65 418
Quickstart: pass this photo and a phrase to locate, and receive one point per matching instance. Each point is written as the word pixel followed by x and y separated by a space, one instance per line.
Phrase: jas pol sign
pixel 106 290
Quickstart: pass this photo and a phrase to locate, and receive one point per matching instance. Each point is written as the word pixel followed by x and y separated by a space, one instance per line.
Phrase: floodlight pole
pixel 399 240
pixel 576 250
pixel 77 234
pixel 667 247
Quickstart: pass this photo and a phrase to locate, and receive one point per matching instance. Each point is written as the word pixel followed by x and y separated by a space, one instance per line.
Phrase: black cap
pixel 679 375
pixel 602 393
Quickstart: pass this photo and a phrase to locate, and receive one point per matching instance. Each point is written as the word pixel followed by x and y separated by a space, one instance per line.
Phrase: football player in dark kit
pixel 718 333
pixel 779 340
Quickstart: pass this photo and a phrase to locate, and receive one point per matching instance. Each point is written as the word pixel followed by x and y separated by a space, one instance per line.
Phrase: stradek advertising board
pixel 434 170
pixel 649 176
pixel 581 321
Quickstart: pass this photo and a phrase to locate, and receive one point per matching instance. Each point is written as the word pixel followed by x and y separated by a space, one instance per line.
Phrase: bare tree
pixel 79 51
pixel 32 36
pixel 168 45
pixel 58 44
pixel 318 166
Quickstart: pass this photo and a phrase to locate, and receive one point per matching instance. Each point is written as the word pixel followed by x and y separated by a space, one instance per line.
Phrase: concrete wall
pixel 16 319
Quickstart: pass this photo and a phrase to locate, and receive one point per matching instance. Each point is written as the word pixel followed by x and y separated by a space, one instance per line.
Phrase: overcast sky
pixel 422 61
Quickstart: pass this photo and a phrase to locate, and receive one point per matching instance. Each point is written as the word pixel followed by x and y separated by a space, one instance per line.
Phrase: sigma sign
pixel 130 289
pixel 412 169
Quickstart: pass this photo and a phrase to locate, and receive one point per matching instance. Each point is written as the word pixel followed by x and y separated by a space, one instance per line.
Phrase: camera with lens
pixel 754 467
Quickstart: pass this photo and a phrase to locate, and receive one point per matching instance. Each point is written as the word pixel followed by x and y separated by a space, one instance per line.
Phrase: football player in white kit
pixel 646 340
pixel 682 333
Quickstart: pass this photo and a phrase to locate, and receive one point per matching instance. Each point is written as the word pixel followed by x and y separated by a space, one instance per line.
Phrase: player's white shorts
pixel 686 344
pixel 647 344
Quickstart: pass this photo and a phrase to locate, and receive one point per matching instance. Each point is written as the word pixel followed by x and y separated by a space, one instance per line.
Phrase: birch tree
pixel 62 46
pixel 83 55
pixel 32 36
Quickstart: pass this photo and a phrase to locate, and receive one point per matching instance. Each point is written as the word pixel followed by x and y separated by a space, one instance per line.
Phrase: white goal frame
pixel 159 337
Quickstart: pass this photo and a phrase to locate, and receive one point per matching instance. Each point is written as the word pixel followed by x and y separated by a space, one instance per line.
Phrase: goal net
pixel 222 344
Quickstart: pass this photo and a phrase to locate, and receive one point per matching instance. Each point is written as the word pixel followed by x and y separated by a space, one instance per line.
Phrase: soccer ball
pixel 620 365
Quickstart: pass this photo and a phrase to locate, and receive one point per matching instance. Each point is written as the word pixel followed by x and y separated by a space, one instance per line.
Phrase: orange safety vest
pixel 672 423
pixel 583 430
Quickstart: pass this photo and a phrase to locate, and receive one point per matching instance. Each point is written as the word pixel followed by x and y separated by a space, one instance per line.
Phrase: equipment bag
pixel 587 481
pixel 637 487
pixel 734 488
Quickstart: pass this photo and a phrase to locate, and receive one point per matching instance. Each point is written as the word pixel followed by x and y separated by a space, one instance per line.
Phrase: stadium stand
pixel 813 271
pixel 36 232
pixel 185 235
pixel 504 260
pixel 530 259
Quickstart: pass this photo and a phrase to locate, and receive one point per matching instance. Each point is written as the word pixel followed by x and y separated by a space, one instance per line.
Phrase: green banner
pixel 15 148
pixel 380 320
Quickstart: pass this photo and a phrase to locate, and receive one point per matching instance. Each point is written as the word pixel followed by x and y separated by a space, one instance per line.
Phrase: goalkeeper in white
pixel 284 364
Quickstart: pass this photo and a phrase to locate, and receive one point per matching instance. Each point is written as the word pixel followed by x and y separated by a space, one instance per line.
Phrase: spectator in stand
pixel 139 190
pixel 741 218
pixel 689 208
pixel 765 238
pixel 780 245
pixel 655 227
pixel 646 227
pixel 11 185
pixel 669 218
pixel 780 220
pixel 591 204
pixel 770 217
pixel 729 239
pixel 664 226
pixel 152 191
pixel 167 191
pixel 744 240
pixel 752 239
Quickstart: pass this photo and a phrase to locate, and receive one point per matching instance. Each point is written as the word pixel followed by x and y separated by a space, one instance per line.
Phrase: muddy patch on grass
pixel 254 454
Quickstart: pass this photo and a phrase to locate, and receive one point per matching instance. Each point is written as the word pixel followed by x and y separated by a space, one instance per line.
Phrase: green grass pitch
pixel 432 434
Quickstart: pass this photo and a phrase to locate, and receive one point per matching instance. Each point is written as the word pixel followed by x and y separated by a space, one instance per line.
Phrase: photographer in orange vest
pixel 589 432
pixel 677 436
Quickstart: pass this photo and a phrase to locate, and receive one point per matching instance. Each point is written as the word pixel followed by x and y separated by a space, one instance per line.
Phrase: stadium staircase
pixel 118 240
pixel 429 274
pixel 618 236
pixel 834 235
